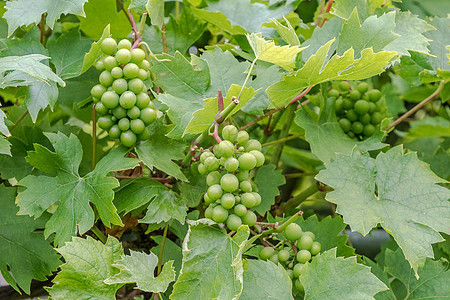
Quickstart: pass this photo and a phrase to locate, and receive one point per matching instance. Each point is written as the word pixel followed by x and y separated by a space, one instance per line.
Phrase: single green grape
pixel 123 56
pixel 108 46
pixel 124 124
pixel 374 95
pixel 101 109
pixel 105 122
pixel 117 72
pixel 242 138
pixel 219 214
pixel 338 105
pixel 229 183
pixel 226 148
pixel 249 218
pixel 240 210
pixel 148 115
pixel 376 118
pixel 231 164
pixel 105 78
pixel 208 212
pixel 345 124
pixel 134 112
pixel 207 199
pixel 299 286
pixel 233 222
pixel 137 55
pixel 290 273
pixel 365 119
pixel 351 115
pixel 143 75
pixel 145 64
pixel 136 85
pixel 333 93
pixel 213 178
pixel 266 253
pixel 357 127
pixel 110 99
pixel 298 269
pixel 137 126
pixel 124 44
pixel 247 161
pixel 215 192
pixel 363 87
pixel 369 130
pixel 114 132
pixel 205 155
pixel 99 65
pixel 312 235
pixel 347 104
pixel 202 169
pixel 120 86
pixel 230 133
pixel 344 86
pixel 303 256
pixel 354 95
pixel 257 198
pixel 243 175
pixel 131 70
pixel 361 107
pixel 227 201
pixel 109 62
pixel 274 258
pixel 248 199
pixel 245 186
pixel 119 112
pixel 128 138
pixel 315 248
pixel 127 100
pixel 260 159
pixel 98 90
pixel 283 255
pixel 211 164
pixel 145 135
pixel 305 242
pixel 293 232
pixel 253 145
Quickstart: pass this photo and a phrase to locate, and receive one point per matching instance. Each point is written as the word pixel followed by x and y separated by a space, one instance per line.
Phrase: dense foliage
pixel 225 149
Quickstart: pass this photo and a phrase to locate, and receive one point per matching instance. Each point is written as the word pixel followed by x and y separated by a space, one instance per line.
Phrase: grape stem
pixel 101 236
pixel 283 140
pixel 418 106
pixel 327 10
pixel 161 251
pixel 301 95
pixel 295 201
pixel 284 225
pixel 18 121
pixel 42 28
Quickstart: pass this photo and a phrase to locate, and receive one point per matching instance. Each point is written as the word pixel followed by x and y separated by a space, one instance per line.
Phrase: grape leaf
pixel 67 53
pixel 375 33
pixel 283 56
pixel 166 206
pixel 258 284
pixel 343 67
pixel 19 12
pixel 218 19
pixel 95 50
pixel 328 233
pixel 139 267
pixel 26 70
pixel 287 33
pixel 155 9
pixel 88 264
pixel 325 130
pixel 268 180
pixel 206 250
pixel 204 117
pixel 393 100
pixel 138 5
pixel 71 192
pixel 330 277
pixel 3 129
pixel 20 243
pixel 321 35
pixel 440 38
pixel 395 190
pixel 4 146
pixel 433 278
pixel 40 95
pixel 99 14
pixel 344 9
pixel 172 252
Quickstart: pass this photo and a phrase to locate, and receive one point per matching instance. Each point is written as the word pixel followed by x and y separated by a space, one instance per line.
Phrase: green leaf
pixel 287 33
pixel 172 252
pixel 393 100
pixel 206 250
pixel 166 206
pixel 375 33
pixel 71 192
pixel 268 180
pixel 19 12
pixel 343 67
pixel 218 19
pixel 325 130
pixel 321 35
pixel 440 38
pixel 95 50
pixel 26 70
pixel 432 126
pixel 283 56
pixel 433 278
pixel 203 118
pixel 344 9
pixel 330 277
pixel 159 151
pixel 265 280
pixel 88 264
pixel 3 129
pixel 67 53
pixel 4 146
pixel 155 9
pixel 139 267
pixel 395 190
pixel 99 14
pixel 40 95
pixel 21 242
pixel 328 233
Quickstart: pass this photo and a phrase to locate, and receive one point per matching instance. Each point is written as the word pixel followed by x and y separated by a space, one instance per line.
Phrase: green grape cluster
pixel 231 194
pixel 359 110
pixel 121 99
pixel 293 262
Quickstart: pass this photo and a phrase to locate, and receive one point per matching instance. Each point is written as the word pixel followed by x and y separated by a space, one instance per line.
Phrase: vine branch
pixel 295 201
pixel 161 251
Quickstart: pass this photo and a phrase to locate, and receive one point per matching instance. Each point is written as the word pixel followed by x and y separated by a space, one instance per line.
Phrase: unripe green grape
pixel 137 126
pixel 253 145
pixel 365 119
pixel 127 100
pixel 233 222
pixel 376 118
pixel 283 255
pixel 120 86
pixel 226 149
pixel 136 85
pixel 219 214
pixel 245 186
pixel 369 130
pixel 98 90
pixel 248 200
pixel 119 112
pixel 214 192
pixel 249 218
pixel 243 175
pixel 347 104
pixel 230 133
pixel 344 86
pixel 372 107
pixel 208 212
pixel 354 95
pixel 242 138
pixel 305 242
pixel 105 122
pixel 202 169
pixel 303 256
pixel 338 105
pixel 131 70
pixel 108 46
pixel 124 44
pixel 99 65
pixel 110 99
pixel 247 161
pixel 229 183
pixel 134 113
pixel 363 87
pixel 333 93
pixel 213 178
pixel 123 56
pixel 374 95
pixel 260 159
pixel 257 198
pixel 207 199
pixel 315 248
pixel 145 64
pixel 274 258
pixel 293 232
pixel 142 75
pixel 137 55
pixel 238 199
pixel 361 107
pixel 205 155
pixel 101 109
pixel 357 127
pixel 109 62
pixel 298 269
pixel 148 115
pixel 227 201
pixel 124 124
pixel 211 163
pixel 145 135
pixel 351 115
pixel 290 273
pixel 231 164
pixel 117 72
pixel 114 132
pixel 128 138
pixel 266 253
pixel 240 210
pixel 105 78
pixel 299 286
pixel 142 100
pixel 345 124
pixel 312 235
